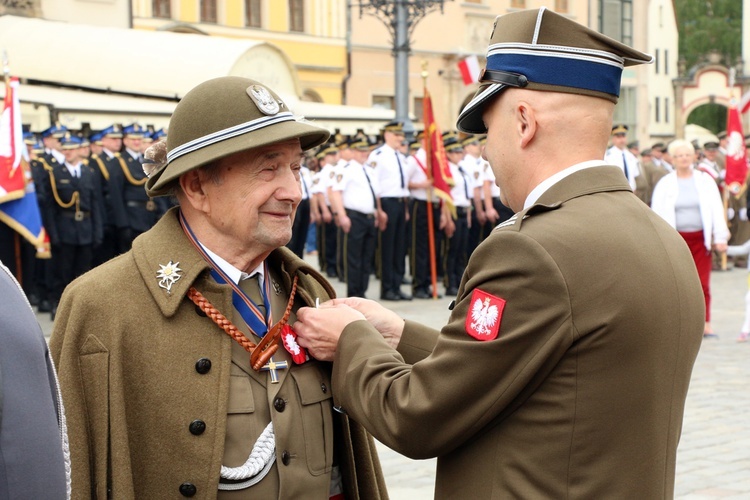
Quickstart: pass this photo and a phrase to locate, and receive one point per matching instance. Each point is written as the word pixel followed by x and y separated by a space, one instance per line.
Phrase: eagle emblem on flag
pixel 485 314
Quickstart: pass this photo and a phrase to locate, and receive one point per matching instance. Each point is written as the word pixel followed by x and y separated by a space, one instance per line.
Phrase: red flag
pixel 736 160
pixel 469 68
pixel 436 160
pixel 12 148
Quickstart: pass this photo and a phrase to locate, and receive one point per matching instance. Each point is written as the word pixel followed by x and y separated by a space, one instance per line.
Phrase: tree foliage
pixel 706 26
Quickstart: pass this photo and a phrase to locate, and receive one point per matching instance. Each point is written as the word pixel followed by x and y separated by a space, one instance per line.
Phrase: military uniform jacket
pixel 138 366
pixel 60 187
pixel 110 174
pixel 141 215
pixel 582 393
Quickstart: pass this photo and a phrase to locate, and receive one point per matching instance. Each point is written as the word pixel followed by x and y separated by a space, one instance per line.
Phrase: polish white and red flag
pixel 744 104
pixel 736 158
pixel 469 68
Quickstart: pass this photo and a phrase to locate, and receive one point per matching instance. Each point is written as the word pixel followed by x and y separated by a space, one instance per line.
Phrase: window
pixel 666 66
pixel 161 8
pixel 616 19
pixel 419 108
pixel 252 13
pixel 518 4
pixel 666 109
pixel 297 15
pixel 383 102
pixel 656 61
pixel 208 11
pixel 657 108
pixel 561 6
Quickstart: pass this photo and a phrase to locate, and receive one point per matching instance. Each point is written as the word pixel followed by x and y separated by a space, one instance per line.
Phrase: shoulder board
pixel 378 151
pixel 85 161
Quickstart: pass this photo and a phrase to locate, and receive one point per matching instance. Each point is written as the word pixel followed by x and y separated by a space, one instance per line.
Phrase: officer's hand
pixel 388 323
pixel 327 217
pixel 318 329
pixel 345 223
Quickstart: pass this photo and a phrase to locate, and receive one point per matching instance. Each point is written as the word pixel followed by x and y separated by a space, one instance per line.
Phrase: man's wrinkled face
pixel 253 195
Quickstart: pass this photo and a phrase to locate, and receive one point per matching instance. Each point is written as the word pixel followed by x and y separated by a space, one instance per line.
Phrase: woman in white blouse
pixel 689 200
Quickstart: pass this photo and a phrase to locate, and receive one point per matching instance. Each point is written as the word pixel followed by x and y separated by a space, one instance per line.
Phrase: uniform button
pixel 200 312
pixel 197 427
pixel 285 457
pixel 279 404
pixel 323 388
pixel 188 489
pixel 203 365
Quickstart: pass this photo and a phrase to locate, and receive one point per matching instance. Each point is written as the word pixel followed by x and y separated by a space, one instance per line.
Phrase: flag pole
pixel 430 224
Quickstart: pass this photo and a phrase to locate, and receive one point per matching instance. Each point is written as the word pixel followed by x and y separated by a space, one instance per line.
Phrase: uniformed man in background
pixel 51 157
pixel 141 210
pixel 355 198
pixel 390 168
pixel 74 209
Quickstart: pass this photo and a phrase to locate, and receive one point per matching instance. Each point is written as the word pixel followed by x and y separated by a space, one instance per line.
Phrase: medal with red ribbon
pixel 289 339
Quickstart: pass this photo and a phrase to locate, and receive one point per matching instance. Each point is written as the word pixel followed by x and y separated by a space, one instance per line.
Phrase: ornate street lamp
pixel 400 17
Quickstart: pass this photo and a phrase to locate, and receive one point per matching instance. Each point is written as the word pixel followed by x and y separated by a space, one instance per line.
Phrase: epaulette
pixel 379 150
pixel 516 220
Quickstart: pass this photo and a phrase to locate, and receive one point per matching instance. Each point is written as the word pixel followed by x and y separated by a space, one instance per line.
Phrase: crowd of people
pixel 372 201
pixel 684 182
pixel 90 192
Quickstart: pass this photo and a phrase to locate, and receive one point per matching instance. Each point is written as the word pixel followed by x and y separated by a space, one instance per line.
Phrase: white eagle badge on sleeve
pixel 485 314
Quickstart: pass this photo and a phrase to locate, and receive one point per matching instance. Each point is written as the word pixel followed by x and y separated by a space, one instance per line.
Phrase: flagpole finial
pixel 424 73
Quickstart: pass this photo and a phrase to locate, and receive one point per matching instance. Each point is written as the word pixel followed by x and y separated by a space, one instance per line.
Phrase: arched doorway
pixel 703 90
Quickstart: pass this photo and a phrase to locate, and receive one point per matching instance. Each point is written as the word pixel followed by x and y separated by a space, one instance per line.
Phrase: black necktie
pixel 374 200
pixel 625 166
pixel 466 184
pixel 400 170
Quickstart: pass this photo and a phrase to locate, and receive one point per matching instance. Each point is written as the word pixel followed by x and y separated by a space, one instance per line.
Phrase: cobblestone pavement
pixel 713 459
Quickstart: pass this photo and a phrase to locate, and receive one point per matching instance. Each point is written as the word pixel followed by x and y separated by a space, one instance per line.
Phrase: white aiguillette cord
pixel 257 465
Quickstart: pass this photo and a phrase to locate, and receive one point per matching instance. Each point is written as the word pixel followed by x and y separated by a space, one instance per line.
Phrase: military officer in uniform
pixel 45 272
pixel 73 205
pixel 153 348
pixel 142 211
pixel 557 375
pixel 390 168
pixel 105 165
pixel 461 192
pixel 355 198
pixel 618 154
pixel 473 164
pixel 424 199
pixel 326 228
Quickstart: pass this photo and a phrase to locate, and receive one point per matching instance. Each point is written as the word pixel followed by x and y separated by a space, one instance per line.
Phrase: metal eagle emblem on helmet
pixel 263 99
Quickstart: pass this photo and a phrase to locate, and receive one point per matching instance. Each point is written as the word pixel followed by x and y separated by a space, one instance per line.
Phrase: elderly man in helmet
pixel 180 374
pixel 558 374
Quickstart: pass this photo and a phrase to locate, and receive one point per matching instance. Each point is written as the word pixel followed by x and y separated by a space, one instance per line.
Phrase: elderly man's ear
pixel 191 183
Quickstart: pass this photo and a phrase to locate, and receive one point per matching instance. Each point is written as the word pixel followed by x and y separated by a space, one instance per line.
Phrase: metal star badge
pixel 168 275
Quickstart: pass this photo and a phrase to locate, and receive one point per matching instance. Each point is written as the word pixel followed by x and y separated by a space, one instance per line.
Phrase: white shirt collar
pixel 550 181
pixel 235 274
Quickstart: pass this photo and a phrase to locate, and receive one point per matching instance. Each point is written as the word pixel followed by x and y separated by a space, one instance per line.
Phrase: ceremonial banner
pixel 18 202
pixel 12 149
pixel 469 68
pixel 736 159
pixel 436 161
